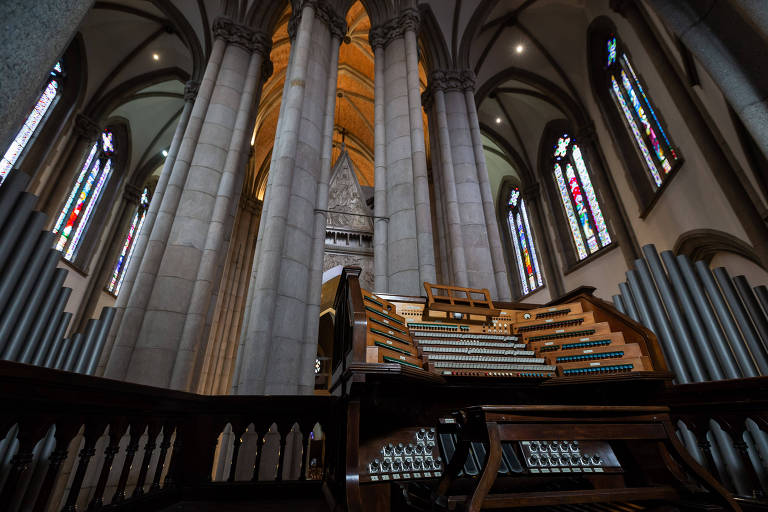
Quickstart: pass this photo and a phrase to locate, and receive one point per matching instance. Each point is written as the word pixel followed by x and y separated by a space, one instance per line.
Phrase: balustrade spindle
pixel 238 442
pixel 109 455
pixel 130 452
pixel 305 440
pixel 152 432
pixel 91 434
pixel 260 442
pixel 164 445
pixel 55 460
pixel 281 454
pixel 20 464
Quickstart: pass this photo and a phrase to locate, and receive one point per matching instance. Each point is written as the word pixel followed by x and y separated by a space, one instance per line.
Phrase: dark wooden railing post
pixel 19 465
pixel 735 426
pixel 137 430
pixel 116 431
pixel 306 430
pixel 237 443
pixel 152 432
pixel 91 434
pixel 281 457
pixel 261 431
pixel 161 462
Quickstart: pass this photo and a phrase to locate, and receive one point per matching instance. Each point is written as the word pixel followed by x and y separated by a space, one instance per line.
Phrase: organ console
pixel 454 402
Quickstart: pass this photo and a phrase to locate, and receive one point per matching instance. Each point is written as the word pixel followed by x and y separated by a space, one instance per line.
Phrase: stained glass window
pixel 580 204
pixel 33 122
pixel 651 141
pixel 84 197
pixel 129 245
pixel 522 240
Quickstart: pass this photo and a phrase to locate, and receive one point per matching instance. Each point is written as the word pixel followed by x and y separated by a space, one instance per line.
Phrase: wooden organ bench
pixel 576 420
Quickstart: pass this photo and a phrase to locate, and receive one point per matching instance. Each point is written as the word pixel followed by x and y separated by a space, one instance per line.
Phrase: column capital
pixel 325 13
pixel 190 90
pixel 451 80
pixel 531 191
pixel 381 35
pixel 132 193
pixel 242 36
pixel 586 133
pixel 251 204
pixel 86 127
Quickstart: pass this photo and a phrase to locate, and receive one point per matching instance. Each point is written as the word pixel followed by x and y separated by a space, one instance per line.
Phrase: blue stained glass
pixel 611 50
pixel 532 244
pixel 586 184
pixel 519 259
pixel 572 222
pixel 65 212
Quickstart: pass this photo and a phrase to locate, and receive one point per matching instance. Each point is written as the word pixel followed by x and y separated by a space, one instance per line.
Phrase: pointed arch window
pixel 524 245
pixel 126 253
pixel 642 121
pixel 85 194
pixel 578 198
pixel 49 96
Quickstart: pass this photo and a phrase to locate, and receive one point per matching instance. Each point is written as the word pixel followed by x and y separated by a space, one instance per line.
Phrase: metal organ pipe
pixel 732 332
pixel 54 331
pixel 74 349
pixel 105 322
pixel 720 344
pixel 15 226
pixel 619 304
pixel 63 349
pixel 745 325
pixel 694 321
pixel 660 319
pixel 629 303
pixel 14 327
pixel 13 186
pixel 681 334
pixel 16 264
pixel 762 295
pixel 639 298
pixel 42 319
pixel 87 346
pixel 757 314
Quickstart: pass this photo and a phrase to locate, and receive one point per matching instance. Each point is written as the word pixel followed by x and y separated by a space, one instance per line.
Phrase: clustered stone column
pixel 403 253
pixel 165 316
pixel 190 94
pixel 468 231
pixel 279 334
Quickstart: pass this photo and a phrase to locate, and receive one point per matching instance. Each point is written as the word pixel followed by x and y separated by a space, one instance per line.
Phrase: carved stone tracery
pixel 190 90
pixel 86 127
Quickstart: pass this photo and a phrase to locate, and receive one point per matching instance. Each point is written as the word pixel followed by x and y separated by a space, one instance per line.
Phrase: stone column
pixel 55 192
pixel 276 350
pixel 167 342
pixel 455 246
pixel 489 210
pixel 190 93
pixel 226 194
pixel 409 20
pixel 321 203
pixel 728 47
pixel 380 227
pixel 33 36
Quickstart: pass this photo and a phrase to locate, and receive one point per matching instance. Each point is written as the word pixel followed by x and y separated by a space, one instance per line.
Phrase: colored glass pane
pixel 513 197
pixel 649 131
pixel 73 194
pixel 129 245
pixel 532 244
pixel 611 50
pixel 589 190
pixel 561 149
pixel 636 132
pixel 88 210
pixel 525 252
pixel 28 129
pixel 82 197
pixel 581 208
pixel 572 222
pixel 519 258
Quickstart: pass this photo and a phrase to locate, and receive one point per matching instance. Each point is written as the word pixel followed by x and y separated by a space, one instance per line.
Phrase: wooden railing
pixel 165 441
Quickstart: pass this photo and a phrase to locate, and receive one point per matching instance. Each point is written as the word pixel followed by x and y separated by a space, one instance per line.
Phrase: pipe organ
pixel 455 402
pixel 33 323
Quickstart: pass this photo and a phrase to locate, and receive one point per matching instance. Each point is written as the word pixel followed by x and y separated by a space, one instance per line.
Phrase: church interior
pixel 384 255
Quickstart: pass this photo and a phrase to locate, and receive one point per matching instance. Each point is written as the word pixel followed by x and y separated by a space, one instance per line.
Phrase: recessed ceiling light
pixel 498 120
pixel 519 48
pixel 165 153
pixel 155 56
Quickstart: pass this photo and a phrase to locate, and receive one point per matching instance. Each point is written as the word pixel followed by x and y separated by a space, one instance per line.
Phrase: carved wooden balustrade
pixel 175 459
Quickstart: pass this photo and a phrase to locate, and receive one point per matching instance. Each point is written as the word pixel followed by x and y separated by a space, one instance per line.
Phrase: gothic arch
pixel 265 16
pixel 703 244
pixel 471 31
pixel 527 176
pixel 435 50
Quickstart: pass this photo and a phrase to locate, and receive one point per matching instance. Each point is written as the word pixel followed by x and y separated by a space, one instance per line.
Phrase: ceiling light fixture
pixel 498 120
pixel 519 48
pixel 155 56
pixel 165 153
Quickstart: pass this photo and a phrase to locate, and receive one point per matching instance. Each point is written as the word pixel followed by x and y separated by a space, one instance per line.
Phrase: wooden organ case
pixel 456 403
